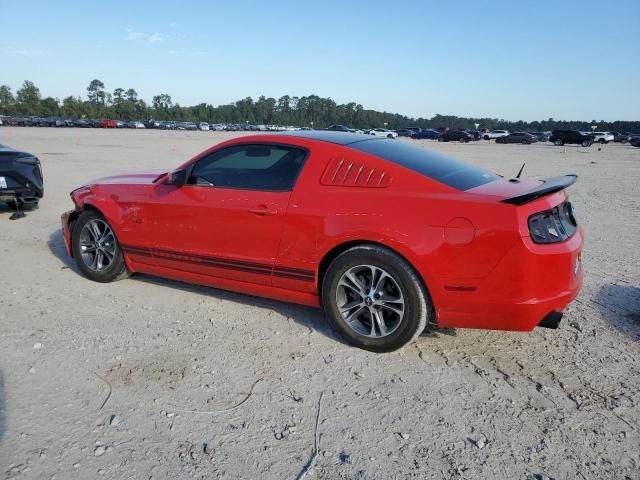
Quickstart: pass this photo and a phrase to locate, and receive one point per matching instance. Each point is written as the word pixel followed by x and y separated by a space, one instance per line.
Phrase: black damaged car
pixel 21 182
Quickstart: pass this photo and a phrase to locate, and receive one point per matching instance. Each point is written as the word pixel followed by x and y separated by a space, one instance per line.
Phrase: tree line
pixel 306 111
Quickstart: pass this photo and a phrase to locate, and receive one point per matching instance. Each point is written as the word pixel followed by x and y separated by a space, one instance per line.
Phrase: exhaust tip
pixel 552 320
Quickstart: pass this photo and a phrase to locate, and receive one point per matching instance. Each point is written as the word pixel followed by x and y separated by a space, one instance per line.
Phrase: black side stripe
pixel 237 265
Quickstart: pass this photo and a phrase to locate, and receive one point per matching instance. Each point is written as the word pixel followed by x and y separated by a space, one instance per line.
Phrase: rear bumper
pixel 532 283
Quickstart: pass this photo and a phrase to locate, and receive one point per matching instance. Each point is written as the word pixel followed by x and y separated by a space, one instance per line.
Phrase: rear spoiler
pixel 548 186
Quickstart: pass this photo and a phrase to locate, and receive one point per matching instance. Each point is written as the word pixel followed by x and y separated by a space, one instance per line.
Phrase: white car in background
pixel 204 126
pixel 383 132
pixel 493 134
pixel 602 137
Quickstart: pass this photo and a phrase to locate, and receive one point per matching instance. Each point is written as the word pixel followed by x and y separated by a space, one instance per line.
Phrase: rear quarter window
pixel 451 172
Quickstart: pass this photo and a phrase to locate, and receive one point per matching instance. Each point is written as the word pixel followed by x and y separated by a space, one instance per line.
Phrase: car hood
pixel 132 178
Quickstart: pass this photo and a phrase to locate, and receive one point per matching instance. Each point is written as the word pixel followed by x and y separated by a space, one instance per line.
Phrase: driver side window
pixel 250 167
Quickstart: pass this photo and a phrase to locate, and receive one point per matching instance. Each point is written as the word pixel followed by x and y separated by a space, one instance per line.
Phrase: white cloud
pixel 23 52
pixel 144 37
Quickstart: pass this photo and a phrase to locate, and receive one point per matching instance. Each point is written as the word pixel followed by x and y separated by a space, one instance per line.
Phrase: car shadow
pixel 311 318
pixel 620 306
pixel 56 246
pixel 11 213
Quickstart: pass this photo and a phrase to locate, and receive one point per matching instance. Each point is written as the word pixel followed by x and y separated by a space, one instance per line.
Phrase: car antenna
pixel 521 169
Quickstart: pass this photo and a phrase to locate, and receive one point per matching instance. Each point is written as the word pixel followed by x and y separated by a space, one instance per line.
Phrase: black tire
pixel 586 143
pixel 602 141
pixel 558 143
pixel 440 139
pixel 417 304
pixel 116 270
pixel 486 137
pixel 525 142
pixel 389 136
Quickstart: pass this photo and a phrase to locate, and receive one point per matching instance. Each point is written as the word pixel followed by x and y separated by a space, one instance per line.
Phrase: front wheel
pixel 586 143
pixel 558 143
pixel 96 249
pixel 374 299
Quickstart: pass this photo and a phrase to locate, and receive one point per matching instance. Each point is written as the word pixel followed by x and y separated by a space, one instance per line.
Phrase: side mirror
pixel 177 178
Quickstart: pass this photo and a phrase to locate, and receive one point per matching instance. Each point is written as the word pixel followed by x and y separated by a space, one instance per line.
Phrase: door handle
pixel 262 210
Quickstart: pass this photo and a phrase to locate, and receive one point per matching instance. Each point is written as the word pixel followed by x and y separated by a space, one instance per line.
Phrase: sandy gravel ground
pixel 102 381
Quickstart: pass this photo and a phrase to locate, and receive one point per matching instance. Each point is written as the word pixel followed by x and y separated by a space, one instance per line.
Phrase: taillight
pixel 553 226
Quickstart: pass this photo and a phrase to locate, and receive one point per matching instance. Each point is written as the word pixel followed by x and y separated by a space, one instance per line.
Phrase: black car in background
pixel 517 137
pixel 620 137
pixel 21 182
pixel 541 136
pixel 339 128
pixel 561 137
pixel 455 135
pixel 634 140
pixel 429 134
pixel 474 133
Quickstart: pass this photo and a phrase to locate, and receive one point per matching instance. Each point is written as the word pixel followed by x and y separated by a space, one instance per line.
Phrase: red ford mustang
pixel 384 235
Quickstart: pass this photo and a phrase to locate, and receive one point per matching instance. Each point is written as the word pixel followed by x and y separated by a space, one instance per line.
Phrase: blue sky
pixel 513 60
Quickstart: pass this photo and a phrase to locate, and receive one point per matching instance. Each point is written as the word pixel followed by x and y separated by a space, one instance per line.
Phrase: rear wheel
pixel 558 142
pixel 524 142
pixel 586 143
pixel 602 141
pixel 374 299
pixel 96 249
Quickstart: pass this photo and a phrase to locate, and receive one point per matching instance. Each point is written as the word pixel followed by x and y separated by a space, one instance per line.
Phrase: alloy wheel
pixel 97 245
pixel 370 301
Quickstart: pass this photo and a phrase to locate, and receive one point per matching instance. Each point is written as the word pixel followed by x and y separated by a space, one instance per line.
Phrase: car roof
pixel 330 136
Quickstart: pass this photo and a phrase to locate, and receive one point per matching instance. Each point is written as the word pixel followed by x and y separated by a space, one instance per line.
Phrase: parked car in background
pixel 620 137
pixel 426 134
pixel 486 252
pixel 541 136
pixel 493 134
pixel 603 137
pixel 81 123
pixel 561 137
pixel 635 140
pixel 383 132
pixel 108 124
pixel 474 133
pixel 455 135
pixel 342 128
pixel 517 137
pixel 21 180
pixel 204 126
pixel 405 132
